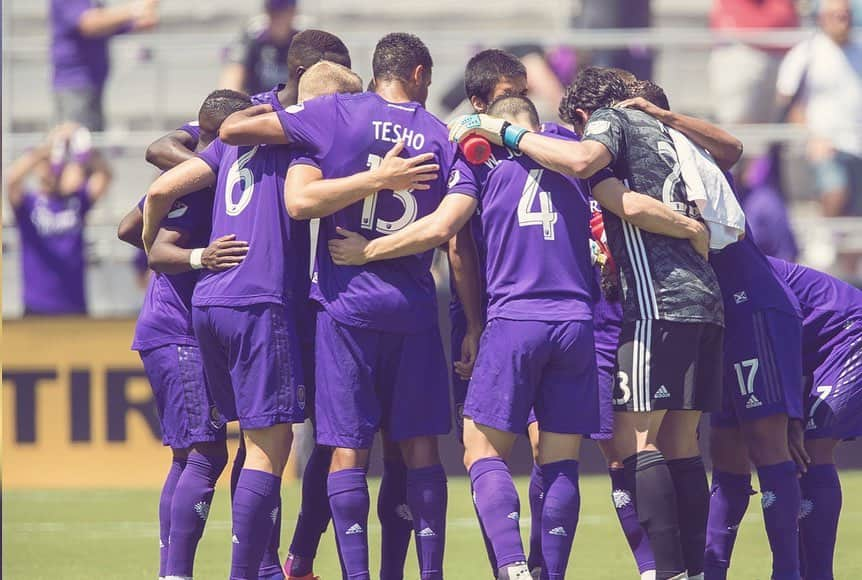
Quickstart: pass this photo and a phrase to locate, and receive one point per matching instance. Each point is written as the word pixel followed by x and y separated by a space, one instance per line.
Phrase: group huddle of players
pixel 587 303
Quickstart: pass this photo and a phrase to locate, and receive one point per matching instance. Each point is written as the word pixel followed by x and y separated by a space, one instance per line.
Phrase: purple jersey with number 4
pixel 535 223
pixel 249 203
pixel 166 315
pixel 347 134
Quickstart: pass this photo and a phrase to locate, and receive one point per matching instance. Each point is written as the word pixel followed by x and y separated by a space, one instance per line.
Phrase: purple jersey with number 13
pixel 347 134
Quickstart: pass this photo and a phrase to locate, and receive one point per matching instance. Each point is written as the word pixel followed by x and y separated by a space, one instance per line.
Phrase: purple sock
pixel 255 509
pixel 499 508
pixel 559 515
pixel 821 506
pixel 395 520
pixel 177 466
pixel 780 498
pixel 536 494
pixel 236 469
pixel 190 508
pixel 489 548
pixel 728 502
pixel 349 502
pixel 314 514
pixel 427 496
pixel 270 564
pixel 623 499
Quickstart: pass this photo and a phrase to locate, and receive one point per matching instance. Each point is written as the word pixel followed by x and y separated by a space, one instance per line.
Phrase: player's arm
pixel 20 169
pixel 100 177
pixel 187 177
pixel 307 195
pixel 256 125
pixel 172 149
pixel 168 256
pixel 106 21
pixel 131 228
pixel 650 214
pixel 420 236
pixel 465 273
pixel 724 147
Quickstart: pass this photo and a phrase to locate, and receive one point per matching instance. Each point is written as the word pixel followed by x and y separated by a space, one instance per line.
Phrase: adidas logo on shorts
pixel 752 402
pixel 426 533
pixel 558 531
pixel 234 539
pixel 514 516
pixel 662 393
pixel 354 529
pixel 811 425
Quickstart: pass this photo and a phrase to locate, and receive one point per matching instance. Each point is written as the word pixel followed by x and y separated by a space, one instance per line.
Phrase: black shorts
pixel 663 365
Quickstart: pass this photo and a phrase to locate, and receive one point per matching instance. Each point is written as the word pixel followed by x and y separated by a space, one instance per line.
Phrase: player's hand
pixel 491 128
pixel 469 351
pixel 700 240
pixel 146 14
pixel 641 104
pixel 410 174
pixel 349 250
pixel 796 440
pixel 224 253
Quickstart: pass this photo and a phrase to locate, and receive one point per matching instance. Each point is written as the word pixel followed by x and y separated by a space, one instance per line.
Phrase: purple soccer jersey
pixel 346 134
pixel 52 252
pixel 166 315
pixel 269 97
pixel 79 61
pixel 249 203
pixel 193 128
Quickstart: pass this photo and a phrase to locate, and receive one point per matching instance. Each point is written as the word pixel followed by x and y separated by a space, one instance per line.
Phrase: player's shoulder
pixel 558 131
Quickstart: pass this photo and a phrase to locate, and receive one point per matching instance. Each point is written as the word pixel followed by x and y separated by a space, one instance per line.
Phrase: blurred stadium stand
pixel 159 79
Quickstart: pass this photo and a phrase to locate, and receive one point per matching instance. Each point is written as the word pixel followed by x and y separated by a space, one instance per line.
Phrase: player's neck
pixel 393 91
pixel 288 96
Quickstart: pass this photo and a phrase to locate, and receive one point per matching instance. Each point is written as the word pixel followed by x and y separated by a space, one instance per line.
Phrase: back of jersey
pixel 663 277
pixel 348 134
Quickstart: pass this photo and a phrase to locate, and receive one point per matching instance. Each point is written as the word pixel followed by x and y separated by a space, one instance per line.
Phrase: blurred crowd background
pixel 87 85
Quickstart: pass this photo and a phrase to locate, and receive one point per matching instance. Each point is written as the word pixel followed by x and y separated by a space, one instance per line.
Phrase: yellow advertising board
pixel 77 408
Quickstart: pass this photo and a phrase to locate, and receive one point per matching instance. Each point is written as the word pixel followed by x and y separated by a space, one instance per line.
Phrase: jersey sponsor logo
pixel 662 393
pixel 753 402
pixel 354 529
pixel 597 127
pixel 558 531
pixel 740 297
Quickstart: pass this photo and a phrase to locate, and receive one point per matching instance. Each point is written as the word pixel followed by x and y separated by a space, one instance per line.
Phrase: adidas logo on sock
pixel 426 533
pixel 514 516
pixel 752 402
pixel 811 425
pixel 662 393
pixel 202 508
pixel 234 539
pixel 354 529
pixel 558 531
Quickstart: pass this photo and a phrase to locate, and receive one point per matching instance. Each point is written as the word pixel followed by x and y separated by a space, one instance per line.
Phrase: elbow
pixel 440 232
pixel 127 234
pixel 579 167
pixel 153 155
pixel 300 209
pixel 735 153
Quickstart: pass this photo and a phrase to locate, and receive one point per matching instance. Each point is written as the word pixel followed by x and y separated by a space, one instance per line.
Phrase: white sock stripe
pixel 639 289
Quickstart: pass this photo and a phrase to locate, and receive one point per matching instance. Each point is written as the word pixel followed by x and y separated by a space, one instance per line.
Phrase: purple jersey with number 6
pixel 347 134
pixel 249 203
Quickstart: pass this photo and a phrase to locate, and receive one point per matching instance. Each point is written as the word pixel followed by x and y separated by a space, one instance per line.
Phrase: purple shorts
pixel 548 366
pixel 187 412
pixel 252 361
pixel 368 380
pixel 459 385
pixel 762 368
pixel 834 404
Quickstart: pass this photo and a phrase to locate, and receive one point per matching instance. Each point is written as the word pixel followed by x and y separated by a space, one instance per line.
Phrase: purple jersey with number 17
pixel 347 134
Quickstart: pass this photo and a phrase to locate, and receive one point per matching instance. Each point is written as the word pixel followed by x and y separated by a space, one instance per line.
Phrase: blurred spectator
pixel 79 50
pixel 617 14
pixel 742 76
pixel 764 203
pixel 259 60
pixel 824 74
pixel 71 177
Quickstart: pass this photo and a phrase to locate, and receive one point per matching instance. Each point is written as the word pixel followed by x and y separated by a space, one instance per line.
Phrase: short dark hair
pixel 311 46
pixel 627 76
pixel 487 68
pixel 220 104
pixel 651 92
pixel 593 89
pixel 397 55
pixel 512 106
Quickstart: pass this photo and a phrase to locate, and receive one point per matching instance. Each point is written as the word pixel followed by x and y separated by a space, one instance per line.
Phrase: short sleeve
pixel 193 129
pixel 141 203
pixel 600 176
pixel 311 124
pixel 303 159
pixel 792 70
pixel 188 212
pixel 463 179
pixel 68 12
pixel 212 154
pixel 606 127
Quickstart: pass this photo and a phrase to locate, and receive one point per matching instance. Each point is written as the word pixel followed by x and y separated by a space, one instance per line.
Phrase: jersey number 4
pixel 546 216
pixel 369 207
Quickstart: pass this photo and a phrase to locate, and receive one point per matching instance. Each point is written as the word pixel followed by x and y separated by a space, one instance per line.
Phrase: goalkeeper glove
pixel 493 129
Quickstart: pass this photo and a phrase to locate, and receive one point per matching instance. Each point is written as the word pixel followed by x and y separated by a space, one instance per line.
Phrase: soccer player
pixel 379 357
pixel 831 356
pixel 165 340
pixel 670 347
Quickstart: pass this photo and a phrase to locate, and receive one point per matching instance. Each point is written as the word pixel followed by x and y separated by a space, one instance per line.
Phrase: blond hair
pixel 326 78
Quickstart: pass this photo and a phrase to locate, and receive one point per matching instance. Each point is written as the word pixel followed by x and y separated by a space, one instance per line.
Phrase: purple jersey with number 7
pixel 347 134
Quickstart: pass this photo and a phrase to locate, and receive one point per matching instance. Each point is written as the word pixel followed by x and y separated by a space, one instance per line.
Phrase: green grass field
pixel 114 534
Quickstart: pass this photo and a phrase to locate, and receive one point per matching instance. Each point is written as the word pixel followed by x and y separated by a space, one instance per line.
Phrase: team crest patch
pixel 215 417
pixel 621 498
pixel 597 127
pixel 300 396
pixel 202 508
pixel 454 177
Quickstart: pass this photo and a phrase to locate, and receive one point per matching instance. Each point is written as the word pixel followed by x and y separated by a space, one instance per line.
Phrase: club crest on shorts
pixel 740 297
pixel 216 419
pixel 300 396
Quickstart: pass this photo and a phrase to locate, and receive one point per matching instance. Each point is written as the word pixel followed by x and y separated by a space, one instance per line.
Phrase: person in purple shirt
pixel 377 315
pixel 51 216
pixel 831 357
pixel 765 207
pixel 80 32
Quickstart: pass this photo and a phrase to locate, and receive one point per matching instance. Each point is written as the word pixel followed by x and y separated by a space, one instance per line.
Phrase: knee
pixel 216 454
pixel 268 449
pixel 767 440
pixel 420 452
pixel 728 452
pixel 343 458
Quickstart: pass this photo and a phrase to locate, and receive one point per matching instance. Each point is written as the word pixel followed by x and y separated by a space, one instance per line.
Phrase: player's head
pixel 836 20
pixel 311 46
pixel 626 76
pixel 327 78
pixel 516 109
pixel 651 92
pixel 281 14
pixel 403 58
pixel 492 74
pixel 593 89
pixel 217 107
